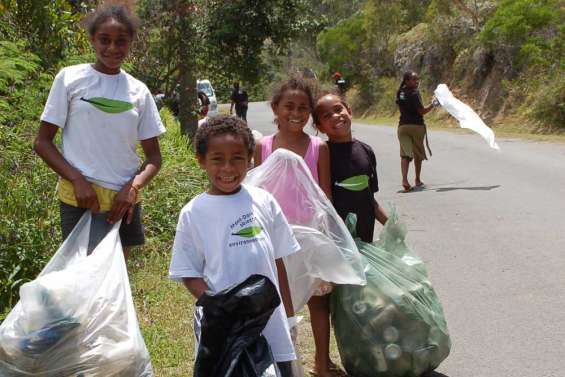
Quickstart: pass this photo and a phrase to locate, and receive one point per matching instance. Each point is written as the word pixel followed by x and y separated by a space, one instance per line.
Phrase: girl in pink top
pixel 292 105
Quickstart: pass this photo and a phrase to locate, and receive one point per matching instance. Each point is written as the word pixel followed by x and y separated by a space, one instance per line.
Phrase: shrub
pixel 529 28
pixel 549 103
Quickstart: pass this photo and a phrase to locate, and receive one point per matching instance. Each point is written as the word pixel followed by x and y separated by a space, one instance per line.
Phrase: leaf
pixel 249 232
pixel 355 183
pixel 107 105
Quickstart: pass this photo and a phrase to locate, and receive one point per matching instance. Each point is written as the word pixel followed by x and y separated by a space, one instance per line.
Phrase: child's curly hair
pixel 219 125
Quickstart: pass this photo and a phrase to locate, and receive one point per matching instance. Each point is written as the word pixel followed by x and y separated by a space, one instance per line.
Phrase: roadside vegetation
pixel 506 58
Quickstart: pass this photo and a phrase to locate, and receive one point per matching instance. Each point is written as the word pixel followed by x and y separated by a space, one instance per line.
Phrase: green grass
pixel 164 309
pixel 165 312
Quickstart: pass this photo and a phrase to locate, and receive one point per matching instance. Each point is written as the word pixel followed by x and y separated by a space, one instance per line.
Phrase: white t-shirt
pixel 101 144
pixel 207 245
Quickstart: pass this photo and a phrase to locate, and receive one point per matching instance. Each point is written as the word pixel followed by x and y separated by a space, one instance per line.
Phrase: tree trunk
pixel 186 75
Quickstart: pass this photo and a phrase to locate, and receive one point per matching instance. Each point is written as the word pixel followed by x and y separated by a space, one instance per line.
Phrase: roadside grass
pixel 165 311
pixel 164 307
pixel 509 128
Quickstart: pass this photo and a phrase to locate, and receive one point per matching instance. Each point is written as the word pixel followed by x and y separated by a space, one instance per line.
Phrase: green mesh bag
pixel 394 326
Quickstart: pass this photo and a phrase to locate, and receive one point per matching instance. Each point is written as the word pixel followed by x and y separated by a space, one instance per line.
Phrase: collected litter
pixel 77 318
pixel 328 252
pixel 394 326
pixel 231 344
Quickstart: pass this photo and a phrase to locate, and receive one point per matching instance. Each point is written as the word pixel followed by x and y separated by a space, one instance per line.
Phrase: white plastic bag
pixel 328 252
pixel 77 317
pixel 464 114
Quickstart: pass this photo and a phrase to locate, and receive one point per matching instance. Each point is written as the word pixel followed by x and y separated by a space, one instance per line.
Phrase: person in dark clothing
pixel 353 167
pixel 411 127
pixel 240 99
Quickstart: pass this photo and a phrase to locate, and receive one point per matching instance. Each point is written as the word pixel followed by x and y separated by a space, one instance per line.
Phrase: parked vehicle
pixel 203 86
pixel 206 87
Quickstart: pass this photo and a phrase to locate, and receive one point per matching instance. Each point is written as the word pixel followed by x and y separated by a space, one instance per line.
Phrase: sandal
pixel 407 188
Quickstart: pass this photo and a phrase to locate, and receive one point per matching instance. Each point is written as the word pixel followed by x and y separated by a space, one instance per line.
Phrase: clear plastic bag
pixel 328 252
pixel 77 318
pixel 395 325
pixel 466 116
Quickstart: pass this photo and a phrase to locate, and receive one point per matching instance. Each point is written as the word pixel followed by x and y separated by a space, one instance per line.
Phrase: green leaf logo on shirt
pixel 252 231
pixel 111 106
pixel 356 183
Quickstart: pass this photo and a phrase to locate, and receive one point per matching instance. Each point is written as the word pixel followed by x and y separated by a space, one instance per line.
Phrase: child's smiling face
pixel 111 43
pixel 293 110
pixel 226 161
pixel 334 118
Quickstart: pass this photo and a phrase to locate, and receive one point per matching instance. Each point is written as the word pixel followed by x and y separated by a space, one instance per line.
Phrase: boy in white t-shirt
pixel 232 231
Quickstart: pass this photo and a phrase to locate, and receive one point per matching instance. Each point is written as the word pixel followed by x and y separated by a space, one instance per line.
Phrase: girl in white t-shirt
pixel 103 113
pixel 232 231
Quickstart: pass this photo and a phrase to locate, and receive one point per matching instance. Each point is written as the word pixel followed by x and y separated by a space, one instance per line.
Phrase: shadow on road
pixel 480 188
pixel 446 189
pixel 434 374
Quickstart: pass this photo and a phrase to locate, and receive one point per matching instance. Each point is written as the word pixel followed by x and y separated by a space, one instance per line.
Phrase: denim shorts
pixel 130 234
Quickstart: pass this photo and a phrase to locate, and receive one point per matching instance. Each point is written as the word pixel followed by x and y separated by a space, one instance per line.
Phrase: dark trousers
pixel 241 112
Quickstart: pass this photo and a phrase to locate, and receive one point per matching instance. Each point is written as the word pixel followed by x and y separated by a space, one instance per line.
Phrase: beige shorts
pixel 411 138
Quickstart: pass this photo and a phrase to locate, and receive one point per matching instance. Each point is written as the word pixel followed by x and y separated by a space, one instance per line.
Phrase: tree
pixel 530 30
pixel 50 26
pixel 182 38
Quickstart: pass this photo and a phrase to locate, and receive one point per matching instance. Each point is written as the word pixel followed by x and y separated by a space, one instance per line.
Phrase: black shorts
pixel 130 234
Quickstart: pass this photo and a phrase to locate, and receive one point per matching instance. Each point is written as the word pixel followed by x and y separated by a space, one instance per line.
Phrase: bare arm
pixel 324 174
pixel 126 198
pixel 257 156
pixel 46 149
pixel 425 110
pixel 284 288
pixel 196 286
pixel 380 213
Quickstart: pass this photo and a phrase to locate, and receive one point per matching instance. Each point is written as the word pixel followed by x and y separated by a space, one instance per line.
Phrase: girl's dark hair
pixel 219 125
pixel 407 76
pixel 121 11
pixel 316 108
pixel 295 82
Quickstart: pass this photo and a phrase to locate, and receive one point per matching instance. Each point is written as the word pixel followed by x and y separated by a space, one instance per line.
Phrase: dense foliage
pixel 177 42
pixel 507 57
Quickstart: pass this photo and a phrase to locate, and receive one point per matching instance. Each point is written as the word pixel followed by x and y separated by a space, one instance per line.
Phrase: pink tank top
pixel 311 157
pixel 294 204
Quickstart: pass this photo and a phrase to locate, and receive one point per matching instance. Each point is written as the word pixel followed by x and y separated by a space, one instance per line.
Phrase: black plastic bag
pixel 231 344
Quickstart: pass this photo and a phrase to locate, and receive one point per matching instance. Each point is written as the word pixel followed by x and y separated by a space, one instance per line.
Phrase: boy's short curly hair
pixel 219 125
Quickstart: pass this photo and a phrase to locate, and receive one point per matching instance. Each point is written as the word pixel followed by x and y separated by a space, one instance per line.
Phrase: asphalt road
pixel 491 228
